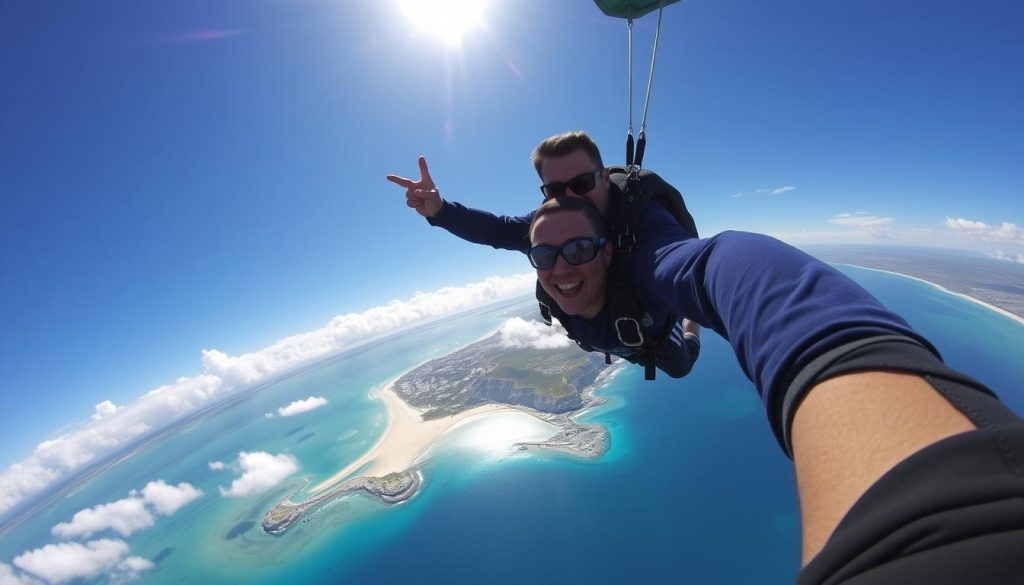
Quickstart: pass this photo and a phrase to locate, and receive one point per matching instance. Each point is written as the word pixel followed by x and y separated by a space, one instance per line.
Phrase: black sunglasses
pixel 576 251
pixel 579 184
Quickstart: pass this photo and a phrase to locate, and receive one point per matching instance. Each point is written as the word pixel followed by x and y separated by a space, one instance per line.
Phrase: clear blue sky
pixel 178 175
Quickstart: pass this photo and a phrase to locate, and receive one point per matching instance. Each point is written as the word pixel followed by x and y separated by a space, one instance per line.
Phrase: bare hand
pixel 691 328
pixel 421 195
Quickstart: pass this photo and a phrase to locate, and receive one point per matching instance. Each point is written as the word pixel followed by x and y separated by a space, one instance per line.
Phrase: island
pixel 552 384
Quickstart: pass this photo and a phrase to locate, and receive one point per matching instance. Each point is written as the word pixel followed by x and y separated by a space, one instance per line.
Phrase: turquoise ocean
pixel 694 488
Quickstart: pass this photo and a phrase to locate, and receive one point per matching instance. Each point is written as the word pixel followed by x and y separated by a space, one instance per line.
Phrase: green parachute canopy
pixel 630 8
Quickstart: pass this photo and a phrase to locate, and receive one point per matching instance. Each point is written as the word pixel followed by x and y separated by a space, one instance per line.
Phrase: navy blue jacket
pixel 512 233
pixel 778 307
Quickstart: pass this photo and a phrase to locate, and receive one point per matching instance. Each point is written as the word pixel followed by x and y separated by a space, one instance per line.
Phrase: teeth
pixel 568 286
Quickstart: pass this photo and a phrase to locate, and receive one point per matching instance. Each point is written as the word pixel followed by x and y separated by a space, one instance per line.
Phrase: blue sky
pixel 180 176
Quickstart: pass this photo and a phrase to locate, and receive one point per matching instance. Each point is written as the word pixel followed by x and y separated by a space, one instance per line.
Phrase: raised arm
pixel 473 225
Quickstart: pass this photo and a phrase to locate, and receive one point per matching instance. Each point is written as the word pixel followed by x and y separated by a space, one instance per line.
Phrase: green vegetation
pixel 546 372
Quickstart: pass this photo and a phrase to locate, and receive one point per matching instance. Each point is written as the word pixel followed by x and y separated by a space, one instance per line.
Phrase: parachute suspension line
pixel 629 68
pixel 642 139
pixel 634 158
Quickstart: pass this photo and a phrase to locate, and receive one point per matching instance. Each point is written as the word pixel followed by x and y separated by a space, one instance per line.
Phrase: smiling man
pixel 570 165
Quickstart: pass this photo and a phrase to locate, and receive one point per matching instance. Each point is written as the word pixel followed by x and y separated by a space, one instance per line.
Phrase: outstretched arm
pixel 473 225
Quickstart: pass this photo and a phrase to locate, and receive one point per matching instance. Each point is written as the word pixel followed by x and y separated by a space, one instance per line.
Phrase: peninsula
pixel 485 377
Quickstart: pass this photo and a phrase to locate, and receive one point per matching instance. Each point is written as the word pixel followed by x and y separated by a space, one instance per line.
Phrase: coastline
pixel 406 438
pixel 999 310
pixel 390 469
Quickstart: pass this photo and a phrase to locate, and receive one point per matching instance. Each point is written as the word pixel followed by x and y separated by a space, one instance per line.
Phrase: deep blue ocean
pixel 694 488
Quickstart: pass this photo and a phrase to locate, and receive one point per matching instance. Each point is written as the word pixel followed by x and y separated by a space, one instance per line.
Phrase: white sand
pixel 406 438
pixel 1004 312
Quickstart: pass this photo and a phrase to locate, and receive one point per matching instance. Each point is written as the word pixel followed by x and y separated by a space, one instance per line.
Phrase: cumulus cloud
pixel 1000 255
pixel 301 406
pixel 123 517
pixel 260 472
pixel 105 409
pixel 518 333
pixel 167 499
pixel 860 219
pixel 9 577
pixel 58 563
pixel 1007 232
pixel 115 427
pixel 70 560
pixel 216 465
pixel 764 190
pixel 131 514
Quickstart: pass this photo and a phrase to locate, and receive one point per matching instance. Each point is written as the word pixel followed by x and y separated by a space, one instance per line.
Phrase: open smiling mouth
pixel 569 289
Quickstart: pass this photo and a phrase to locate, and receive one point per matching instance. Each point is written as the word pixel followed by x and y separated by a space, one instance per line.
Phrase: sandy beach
pixel 1004 312
pixel 406 438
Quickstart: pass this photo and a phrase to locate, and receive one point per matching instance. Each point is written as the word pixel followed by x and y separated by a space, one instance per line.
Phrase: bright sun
pixel 446 19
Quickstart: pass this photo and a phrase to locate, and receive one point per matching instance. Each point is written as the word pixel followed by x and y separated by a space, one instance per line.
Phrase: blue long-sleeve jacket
pixel 677 353
pixel 778 307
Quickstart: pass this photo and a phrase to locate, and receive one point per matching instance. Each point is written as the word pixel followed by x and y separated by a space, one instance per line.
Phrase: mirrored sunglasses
pixel 576 251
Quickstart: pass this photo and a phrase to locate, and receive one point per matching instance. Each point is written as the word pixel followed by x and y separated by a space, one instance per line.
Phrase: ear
pixel 606 177
pixel 606 254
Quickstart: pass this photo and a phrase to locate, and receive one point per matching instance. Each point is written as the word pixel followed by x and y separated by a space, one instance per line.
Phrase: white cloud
pixel 764 190
pixel 260 472
pixel 301 406
pixel 57 563
pixel 129 515
pixel 9 577
pixel 167 499
pixel 1000 255
pixel 216 465
pixel 1007 232
pixel 517 332
pixel 860 219
pixel 124 517
pixel 345 330
pixel 116 427
pixel 105 409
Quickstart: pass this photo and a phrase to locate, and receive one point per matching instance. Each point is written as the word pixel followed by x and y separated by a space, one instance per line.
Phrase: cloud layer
pixel 1006 233
pixel 109 557
pixel 765 191
pixel 260 472
pixel 112 427
pixel 66 561
pixel 131 514
pixel 860 219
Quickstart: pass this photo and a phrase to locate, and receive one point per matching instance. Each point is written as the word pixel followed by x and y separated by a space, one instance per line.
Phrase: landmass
pixel 392 489
pixel 997 283
pixel 483 378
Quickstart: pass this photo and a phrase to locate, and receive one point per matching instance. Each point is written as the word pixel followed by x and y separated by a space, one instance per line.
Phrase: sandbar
pixel 406 437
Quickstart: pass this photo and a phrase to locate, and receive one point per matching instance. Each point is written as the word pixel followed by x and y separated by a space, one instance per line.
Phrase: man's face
pixel 579 290
pixel 574 164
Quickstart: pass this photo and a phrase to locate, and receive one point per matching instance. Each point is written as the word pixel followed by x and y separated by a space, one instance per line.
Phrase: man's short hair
pixel 570 203
pixel 565 143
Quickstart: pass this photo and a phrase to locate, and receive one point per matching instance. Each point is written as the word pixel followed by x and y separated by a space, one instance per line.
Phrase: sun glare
pixel 448 20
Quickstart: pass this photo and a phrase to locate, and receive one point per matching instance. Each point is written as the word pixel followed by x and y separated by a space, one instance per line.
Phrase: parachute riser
pixel 635 151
